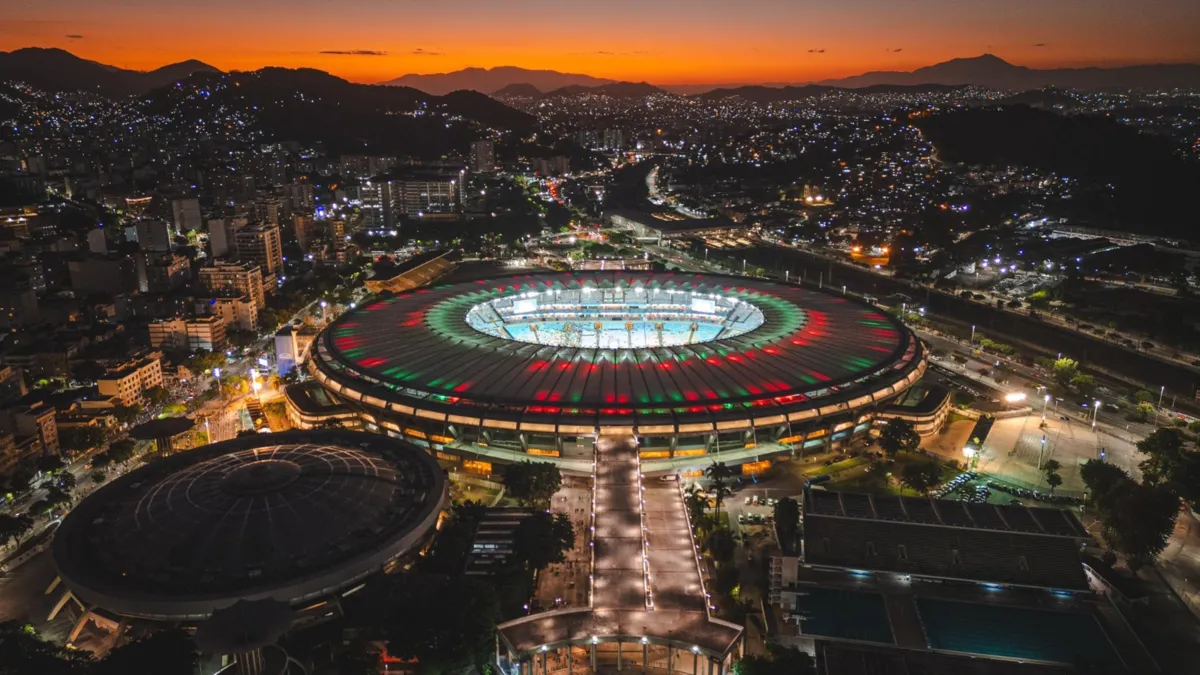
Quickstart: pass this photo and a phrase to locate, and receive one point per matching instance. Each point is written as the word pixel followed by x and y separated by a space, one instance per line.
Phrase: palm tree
pixel 718 473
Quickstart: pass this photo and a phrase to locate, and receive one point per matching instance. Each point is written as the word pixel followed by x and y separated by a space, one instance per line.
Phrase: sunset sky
pixel 664 42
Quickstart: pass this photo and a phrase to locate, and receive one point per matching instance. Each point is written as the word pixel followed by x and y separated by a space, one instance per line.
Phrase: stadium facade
pixel 695 367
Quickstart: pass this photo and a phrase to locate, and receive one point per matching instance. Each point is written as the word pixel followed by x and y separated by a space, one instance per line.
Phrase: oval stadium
pixel 296 517
pixel 696 367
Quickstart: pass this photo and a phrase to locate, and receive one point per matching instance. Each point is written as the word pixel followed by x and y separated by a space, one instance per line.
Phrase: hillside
pixel 313 106
pixel 59 70
pixel 489 80
pixel 765 94
pixel 1127 179
pixel 993 72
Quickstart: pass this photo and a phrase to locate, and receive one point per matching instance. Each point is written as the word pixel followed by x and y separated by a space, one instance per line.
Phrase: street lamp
pixel 1161 390
pixel 1095 415
pixel 972 333
pixel 1045 402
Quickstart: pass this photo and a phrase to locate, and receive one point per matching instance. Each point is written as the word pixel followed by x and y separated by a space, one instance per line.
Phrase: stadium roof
pixel 289 516
pixel 813 349
pixel 941 538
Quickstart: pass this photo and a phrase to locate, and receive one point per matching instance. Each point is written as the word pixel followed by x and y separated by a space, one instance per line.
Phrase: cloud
pixel 1040 44
pixel 816 51
pixel 422 52
pixel 74 37
pixel 352 52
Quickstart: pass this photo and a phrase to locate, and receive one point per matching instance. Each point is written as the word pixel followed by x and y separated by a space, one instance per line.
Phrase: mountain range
pixel 489 80
pixel 994 72
pixel 59 70
pixel 56 69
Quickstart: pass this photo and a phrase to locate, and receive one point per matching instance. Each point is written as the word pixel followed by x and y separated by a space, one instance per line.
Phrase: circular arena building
pixel 295 517
pixel 694 366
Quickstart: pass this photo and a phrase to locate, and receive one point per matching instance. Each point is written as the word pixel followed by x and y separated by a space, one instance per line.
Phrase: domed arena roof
pixel 290 516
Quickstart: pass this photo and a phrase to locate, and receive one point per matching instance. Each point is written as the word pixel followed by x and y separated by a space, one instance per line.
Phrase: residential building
pixel 113 274
pixel 18 307
pixel 154 235
pixel 206 332
pixel 365 166
pixel 162 272
pixel 269 210
pixel 483 156
pixel 553 166
pixel 187 214
pixel 423 194
pixel 301 195
pixel 234 280
pixel 305 229
pixel 238 313
pixel 260 244
pixel 10 453
pixel 12 384
pixel 129 381
pixel 37 421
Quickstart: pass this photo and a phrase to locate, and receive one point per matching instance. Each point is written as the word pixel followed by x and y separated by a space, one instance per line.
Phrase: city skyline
pixel 754 42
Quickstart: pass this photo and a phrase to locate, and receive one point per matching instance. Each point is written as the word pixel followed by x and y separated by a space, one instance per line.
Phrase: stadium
pixel 296 517
pixel 695 367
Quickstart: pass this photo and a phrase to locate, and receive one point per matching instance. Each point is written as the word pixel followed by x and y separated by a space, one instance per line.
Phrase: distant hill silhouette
pixel 994 72
pixel 489 80
pixel 519 90
pixel 313 106
pixel 765 94
pixel 60 70
pixel 615 90
pixel 1128 179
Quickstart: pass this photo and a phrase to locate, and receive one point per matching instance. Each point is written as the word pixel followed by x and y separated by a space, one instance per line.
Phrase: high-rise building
pixel 162 272
pixel 238 313
pixel 37 421
pixel 302 196
pixel 554 166
pixel 260 244
pixel 130 380
pixel 424 194
pixel 483 156
pixel 337 236
pixel 269 210
pixel 305 229
pixel 187 214
pixel 365 166
pixel 234 280
pixel 12 384
pixel 614 139
pixel 154 235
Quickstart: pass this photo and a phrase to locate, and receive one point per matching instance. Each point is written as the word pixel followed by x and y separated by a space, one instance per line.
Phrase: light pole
pixel 972 333
pixel 323 305
pixel 1045 402
pixel 1161 390
pixel 1095 415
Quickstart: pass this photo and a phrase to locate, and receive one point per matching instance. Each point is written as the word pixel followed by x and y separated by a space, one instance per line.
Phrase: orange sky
pixel 665 42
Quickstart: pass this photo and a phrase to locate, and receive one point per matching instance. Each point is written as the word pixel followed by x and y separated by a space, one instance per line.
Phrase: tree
pixel 166 652
pixel 455 630
pixel 203 361
pixel 898 436
pixel 1083 383
pixel 127 414
pixel 921 476
pixel 1065 370
pixel 532 483
pixel 1104 481
pixel 14 527
pixel 720 546
pixel 787 521
pixel 80 439
pixel 157 396
pixel 696 503
pixel 22 652
pixel 1136 518
pixel 719 473
pixel 122 450
pixel 726 580
pixel 1141 522
pixel 1143 411
pixel 98 477
pixel 1051 469
pixel 65 481
pixel 779 660
pixel 1171 462
pixel 1143 396
pixel 542 539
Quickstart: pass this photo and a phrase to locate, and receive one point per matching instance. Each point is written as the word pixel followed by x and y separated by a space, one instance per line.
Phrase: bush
pixel 99 476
